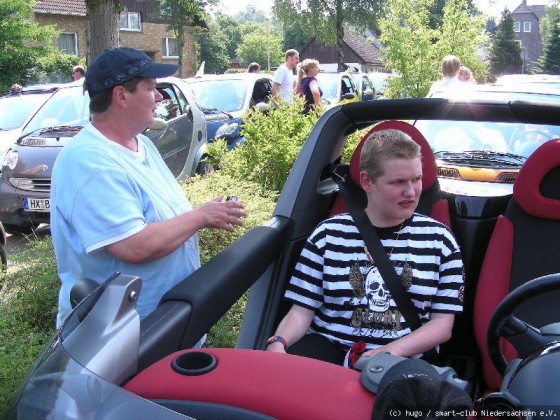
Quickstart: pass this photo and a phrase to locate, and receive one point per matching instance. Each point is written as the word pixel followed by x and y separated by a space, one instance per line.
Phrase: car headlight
pixel 226 130
pixel 11 159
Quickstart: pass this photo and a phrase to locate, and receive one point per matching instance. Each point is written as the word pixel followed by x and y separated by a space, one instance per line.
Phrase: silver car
pixel 26 173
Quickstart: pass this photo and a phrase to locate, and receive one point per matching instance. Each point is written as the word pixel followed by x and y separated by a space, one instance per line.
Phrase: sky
pixel 491 7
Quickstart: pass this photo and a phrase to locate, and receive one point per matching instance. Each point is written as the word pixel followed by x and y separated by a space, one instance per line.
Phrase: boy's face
pixel 393 197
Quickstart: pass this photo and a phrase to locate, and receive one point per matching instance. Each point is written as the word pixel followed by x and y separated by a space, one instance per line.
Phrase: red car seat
pixel 431 203
pixel 523 246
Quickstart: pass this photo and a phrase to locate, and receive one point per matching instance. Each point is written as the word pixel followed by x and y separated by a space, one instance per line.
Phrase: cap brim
pixel 159 70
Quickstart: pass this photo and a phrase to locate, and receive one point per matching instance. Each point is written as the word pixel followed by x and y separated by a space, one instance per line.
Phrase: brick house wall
pixel 70 17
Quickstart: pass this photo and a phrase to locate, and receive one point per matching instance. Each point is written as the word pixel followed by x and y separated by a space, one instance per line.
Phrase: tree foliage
pixel 413 49
pixel 182 14
pixel 23 42
pixel 213 49
pixel 231 29
pixel 327 18
pixel 257 47
pixel 505 52
pixel 550 61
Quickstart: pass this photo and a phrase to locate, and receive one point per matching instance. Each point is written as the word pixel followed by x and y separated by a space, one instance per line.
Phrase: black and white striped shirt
pixel 336 278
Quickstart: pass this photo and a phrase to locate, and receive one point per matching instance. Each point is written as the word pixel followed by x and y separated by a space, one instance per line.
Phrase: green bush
pixel 273 141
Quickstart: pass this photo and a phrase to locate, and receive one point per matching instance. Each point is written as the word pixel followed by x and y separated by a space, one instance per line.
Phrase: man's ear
pixel 365 181
pixel 119 95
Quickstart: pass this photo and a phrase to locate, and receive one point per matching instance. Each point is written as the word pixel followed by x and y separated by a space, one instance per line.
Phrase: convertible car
pixel 504 350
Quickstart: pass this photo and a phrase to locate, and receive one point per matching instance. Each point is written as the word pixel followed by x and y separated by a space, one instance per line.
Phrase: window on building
pixel 516 26
pixel 169 48
pixel 130 21
pixel 68 42
pixel 526 26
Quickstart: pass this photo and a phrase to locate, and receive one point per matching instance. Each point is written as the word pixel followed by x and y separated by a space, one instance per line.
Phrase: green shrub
pixel 28 305
pixel 273 141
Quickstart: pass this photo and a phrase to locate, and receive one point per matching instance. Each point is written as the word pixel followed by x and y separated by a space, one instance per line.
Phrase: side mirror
pixel 368 95
pixel 348 96
pixel 158 124
pixel 262 107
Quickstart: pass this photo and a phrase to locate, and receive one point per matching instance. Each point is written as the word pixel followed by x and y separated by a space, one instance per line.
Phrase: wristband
pixel 277 339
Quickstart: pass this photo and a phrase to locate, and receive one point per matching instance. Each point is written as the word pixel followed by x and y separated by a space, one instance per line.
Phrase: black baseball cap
pixel 415 385
pixel 117 65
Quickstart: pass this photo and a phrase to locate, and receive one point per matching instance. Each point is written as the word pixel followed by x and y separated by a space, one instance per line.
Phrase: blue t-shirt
pixel 102 193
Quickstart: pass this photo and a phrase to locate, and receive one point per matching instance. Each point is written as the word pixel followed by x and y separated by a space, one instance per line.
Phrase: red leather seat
pixel 523 246
pixel 431 203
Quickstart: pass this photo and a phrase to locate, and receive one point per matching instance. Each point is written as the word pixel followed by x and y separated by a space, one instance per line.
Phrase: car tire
pixel 21 229
pixel 204 168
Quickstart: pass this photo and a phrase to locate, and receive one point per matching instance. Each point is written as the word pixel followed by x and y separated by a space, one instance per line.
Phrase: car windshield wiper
pixel 215 111
pixel 485 155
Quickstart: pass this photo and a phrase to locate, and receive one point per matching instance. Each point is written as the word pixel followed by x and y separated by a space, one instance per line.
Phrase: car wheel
pixel 204 168
pixel 3 264
pixel 22 229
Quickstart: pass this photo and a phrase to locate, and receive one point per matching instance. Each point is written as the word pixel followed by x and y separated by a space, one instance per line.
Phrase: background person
pixel 16 89
pixel 283 81
pixel 338 295
pixel 450 66
pixel 254 68
pixel 78 72
pixel 122 209
pixel 465 74
pixel 307 79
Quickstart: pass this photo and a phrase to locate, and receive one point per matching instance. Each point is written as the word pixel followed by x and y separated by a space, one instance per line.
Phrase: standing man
pixel 122 209
pixel 338 295
pixel 283 83
pixel 78 72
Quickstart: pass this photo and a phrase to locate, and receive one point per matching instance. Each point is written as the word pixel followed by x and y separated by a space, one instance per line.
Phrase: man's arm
pixel 293 327
pixel 275 89
pixel 433 333
pixel 159 239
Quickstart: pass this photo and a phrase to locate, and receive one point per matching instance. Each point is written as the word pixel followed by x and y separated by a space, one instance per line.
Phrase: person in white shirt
pixel 283 82
pixel 450 66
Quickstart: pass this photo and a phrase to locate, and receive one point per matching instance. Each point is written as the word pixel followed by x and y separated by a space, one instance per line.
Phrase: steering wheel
pixel 504 324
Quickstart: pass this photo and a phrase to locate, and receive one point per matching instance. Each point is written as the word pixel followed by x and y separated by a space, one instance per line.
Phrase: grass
pixel 29 292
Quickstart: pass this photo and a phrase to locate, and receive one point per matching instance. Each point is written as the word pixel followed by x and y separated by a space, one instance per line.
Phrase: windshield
pixel 329 85
pixel 224 95
pixel 60 387
pixel 68 106
pixel 501 138
pixel 16 109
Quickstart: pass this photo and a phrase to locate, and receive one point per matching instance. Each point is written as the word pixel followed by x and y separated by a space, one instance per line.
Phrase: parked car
pixel 105 363
pixel 26 173
pixel 537 80
pixel 338 88
pixel 379 81
pixel 366 90
pixel 492 151
pixel 18 113
pixel 225 98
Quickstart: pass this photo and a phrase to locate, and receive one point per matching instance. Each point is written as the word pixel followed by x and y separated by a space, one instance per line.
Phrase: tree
pixel 213 49
pixel 181 14
pixel 413 49
pixel 102 26
pixel 231 28
pixel 505 52
pixel 256 47
pixel 23 42
pixel 327 18
pixel 550 61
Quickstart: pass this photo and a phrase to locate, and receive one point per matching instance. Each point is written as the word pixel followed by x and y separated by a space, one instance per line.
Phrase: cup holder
pixel 194 363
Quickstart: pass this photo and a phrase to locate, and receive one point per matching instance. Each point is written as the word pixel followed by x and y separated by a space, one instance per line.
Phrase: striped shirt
pixel 336 278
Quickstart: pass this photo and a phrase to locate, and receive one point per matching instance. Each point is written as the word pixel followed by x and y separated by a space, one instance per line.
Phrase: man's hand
pixel 219 214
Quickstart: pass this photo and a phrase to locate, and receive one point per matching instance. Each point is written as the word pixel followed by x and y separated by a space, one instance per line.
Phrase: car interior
pixel 506 241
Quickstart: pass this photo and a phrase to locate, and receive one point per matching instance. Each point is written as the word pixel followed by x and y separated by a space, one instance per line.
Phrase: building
pixel 360 53
pixel 527 29
pixel 138 29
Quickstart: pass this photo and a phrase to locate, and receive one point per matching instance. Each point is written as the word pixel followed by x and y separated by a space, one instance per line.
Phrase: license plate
pixel 37 204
